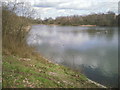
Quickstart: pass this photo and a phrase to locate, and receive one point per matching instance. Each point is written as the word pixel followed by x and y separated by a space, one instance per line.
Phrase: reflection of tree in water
pixel 107 34
pixel 76 32
pixel 96 75
pixel 91 72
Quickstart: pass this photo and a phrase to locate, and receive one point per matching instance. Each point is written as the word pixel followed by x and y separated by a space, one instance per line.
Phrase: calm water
pixel 90 50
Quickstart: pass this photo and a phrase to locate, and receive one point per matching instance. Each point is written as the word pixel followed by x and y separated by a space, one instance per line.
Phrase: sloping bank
pixel 35 71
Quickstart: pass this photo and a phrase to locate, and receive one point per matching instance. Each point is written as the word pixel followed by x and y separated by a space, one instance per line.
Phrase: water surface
pixel 90 50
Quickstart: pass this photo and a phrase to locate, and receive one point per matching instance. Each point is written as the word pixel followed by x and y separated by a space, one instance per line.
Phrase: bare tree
pixel 16 15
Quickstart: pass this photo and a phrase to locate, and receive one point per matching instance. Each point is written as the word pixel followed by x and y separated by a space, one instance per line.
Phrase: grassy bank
pixel 36 72
pixel 22 68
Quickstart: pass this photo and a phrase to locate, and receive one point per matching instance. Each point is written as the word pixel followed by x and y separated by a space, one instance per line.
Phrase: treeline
pixel 101 19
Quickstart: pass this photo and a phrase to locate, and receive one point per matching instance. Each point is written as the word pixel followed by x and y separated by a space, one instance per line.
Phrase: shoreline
pixel 89 80
pixel 32 69
pixel 48 60
pixel 67 25
pixel 88 25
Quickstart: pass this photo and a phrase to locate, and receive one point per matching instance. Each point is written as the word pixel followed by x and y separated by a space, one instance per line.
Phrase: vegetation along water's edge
pixel 24 68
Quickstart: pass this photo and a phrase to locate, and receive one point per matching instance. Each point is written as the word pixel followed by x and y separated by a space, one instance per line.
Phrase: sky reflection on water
pixel 94 50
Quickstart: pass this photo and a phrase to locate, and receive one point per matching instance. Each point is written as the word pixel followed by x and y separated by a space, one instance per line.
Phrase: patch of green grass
pixel 39 73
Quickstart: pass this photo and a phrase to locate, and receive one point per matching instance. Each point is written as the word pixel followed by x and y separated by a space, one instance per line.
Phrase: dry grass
pixel 15 47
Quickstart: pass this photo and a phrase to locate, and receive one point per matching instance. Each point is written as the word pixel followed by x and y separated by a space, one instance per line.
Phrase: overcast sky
pixel 54 8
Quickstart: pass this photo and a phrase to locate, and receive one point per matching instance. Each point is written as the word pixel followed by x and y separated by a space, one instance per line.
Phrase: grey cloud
pixel 56 5
pixel 47 4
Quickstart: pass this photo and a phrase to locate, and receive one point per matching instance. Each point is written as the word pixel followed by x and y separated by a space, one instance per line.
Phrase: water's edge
pixel 28 28
pixel 89 80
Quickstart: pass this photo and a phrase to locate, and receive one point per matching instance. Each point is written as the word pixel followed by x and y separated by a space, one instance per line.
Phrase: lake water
pixel 90 50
